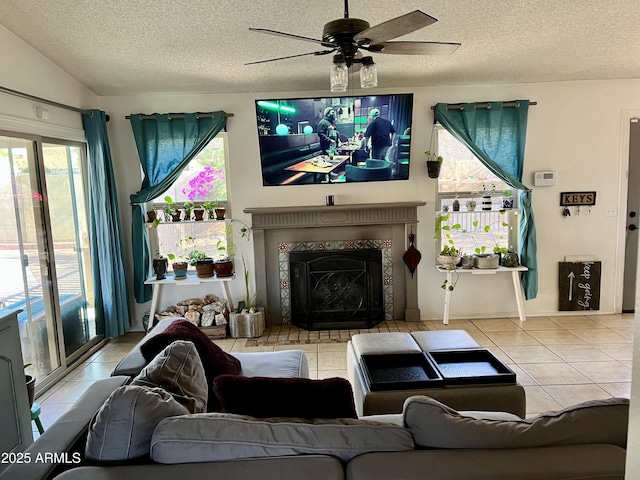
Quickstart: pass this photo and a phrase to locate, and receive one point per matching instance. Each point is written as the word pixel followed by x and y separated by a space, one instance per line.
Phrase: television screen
pixel 334 139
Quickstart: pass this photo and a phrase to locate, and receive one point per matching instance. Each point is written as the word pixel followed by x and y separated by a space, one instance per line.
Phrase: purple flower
pixel 203 183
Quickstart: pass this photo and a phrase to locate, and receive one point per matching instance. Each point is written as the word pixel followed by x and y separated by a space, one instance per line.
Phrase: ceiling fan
pixel 347 36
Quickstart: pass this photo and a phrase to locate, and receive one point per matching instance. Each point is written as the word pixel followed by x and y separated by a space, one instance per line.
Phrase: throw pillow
pixel 179 371
pixel 435 425
pixel 122 428
pixel 214 360
pixel 263 397
pixel 216 437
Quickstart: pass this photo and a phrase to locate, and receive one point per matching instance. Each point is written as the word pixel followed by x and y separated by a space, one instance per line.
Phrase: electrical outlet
pixel 611 212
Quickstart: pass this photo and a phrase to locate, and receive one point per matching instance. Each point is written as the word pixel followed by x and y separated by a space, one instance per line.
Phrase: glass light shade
pixel 368 75
pixel 339 76
pixel 282 129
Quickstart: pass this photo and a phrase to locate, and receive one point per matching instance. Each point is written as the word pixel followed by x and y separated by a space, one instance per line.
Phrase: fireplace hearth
pixel 336 290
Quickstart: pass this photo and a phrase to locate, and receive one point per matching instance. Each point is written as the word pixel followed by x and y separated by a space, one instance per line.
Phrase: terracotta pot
pixel 198 213
pixel 205 268
pixel 220 213
pixel 31 388
pixel 177 216
pixel 224 268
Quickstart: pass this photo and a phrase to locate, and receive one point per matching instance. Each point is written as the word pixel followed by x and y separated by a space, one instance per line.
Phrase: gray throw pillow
pixel 178 369
pixel 123 427
pixel 434 425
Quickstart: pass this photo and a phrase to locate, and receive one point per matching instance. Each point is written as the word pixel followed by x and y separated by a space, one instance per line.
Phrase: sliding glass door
pixel 44 254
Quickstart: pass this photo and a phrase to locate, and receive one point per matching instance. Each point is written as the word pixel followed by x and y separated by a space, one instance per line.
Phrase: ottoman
pixel 498 398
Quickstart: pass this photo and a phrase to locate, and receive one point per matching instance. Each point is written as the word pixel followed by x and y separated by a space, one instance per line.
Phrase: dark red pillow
pixel 263 397
pixel 214 360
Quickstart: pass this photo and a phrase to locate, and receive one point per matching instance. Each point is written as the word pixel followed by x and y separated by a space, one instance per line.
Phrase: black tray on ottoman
pixel 400 371
pixel 471 367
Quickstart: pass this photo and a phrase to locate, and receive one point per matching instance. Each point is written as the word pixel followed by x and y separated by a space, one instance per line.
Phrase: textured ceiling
pixel 118 47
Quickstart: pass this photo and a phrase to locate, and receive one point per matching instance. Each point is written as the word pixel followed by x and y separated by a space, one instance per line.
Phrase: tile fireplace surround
pixel 280 230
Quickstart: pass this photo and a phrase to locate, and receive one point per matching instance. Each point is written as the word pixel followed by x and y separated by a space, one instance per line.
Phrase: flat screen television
pixel 368 139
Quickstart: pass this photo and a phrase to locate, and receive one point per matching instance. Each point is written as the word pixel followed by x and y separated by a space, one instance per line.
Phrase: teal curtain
pixel 496 136
pixel 165 145
pixel 112 306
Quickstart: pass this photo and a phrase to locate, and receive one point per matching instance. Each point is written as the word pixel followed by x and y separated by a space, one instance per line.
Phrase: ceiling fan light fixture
pixel 368 73
pixel 339 74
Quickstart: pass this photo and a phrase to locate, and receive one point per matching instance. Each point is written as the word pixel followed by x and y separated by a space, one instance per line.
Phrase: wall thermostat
pixel 544 179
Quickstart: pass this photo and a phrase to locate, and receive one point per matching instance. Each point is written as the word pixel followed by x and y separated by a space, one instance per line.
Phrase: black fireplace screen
pixel 336 290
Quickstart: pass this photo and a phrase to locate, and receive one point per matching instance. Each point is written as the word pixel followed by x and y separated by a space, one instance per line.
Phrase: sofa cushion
pixel 279 397
pixel 214 360
pixel 210 437
pixel 435 425
pixel 179 371
pixel 122 428
pixel 283 363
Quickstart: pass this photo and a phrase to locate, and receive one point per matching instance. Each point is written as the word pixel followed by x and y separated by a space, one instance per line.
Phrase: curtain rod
pixel 179 115
pixel 43 100
pixel 460 106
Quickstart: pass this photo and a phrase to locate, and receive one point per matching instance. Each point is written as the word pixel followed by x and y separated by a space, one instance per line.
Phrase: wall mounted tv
pixel 296 146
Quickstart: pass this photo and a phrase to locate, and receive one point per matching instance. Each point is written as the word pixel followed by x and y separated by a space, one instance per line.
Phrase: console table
pixel 191 280
pixel 515 275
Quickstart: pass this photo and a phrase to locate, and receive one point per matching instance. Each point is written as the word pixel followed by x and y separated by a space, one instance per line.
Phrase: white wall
pixel 575 130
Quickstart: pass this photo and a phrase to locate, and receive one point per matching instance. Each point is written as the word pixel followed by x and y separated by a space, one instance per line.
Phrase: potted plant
pixel 198 213
pixel 152 215
pixel 170 210
pixel 219 211
pixel 248 319
pixel 180 262
pixel 209 209
pixel 203 263
pixel 160 265
pixel 224 264
pixel 449 256
pixel 188 209
pixel 31 385
pixel 507 199
pixel 434 164
pixel 487 195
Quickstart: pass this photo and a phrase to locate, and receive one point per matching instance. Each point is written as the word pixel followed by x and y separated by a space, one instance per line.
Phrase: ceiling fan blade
pixel 394 28
pixel 321 52
pixel 417 48
pixel 290 35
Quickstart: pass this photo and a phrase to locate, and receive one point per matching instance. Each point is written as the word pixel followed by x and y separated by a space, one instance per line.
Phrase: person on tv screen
pixel 381 132
pixel 327 131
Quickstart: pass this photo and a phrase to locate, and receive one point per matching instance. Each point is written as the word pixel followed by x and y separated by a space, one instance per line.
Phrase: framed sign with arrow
pixel 579 284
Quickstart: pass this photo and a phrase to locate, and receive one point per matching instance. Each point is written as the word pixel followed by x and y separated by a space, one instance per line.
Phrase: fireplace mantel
pixel 275 229
pixel 264 218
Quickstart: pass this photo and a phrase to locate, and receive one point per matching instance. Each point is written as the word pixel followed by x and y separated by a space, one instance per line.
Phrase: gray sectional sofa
pixel 427 440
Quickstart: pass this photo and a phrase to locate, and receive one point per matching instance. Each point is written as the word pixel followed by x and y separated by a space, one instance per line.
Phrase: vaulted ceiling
pixel 132 47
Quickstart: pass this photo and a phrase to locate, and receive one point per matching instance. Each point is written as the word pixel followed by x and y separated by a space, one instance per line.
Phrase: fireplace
pixel 279 232
pixel 336 290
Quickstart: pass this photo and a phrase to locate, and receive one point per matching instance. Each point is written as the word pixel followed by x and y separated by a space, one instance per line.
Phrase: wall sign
pixel 579 284
pixel 568 199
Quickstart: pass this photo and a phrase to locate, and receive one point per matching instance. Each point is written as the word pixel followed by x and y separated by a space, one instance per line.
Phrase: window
pixel 463 181
pixel 203 180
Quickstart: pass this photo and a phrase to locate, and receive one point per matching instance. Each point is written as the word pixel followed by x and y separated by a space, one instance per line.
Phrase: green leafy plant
pixel 170 208
pixel 249 300
pixel 188 209
pixel 433 157
pixel 479 234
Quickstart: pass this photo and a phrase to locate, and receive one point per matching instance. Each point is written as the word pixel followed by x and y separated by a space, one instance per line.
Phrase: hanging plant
pixel 434 161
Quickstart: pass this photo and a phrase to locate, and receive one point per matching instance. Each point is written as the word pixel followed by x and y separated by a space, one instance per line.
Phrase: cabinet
pixel 15 434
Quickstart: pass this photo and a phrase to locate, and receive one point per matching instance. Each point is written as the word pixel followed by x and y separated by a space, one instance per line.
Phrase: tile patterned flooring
pixel 560 360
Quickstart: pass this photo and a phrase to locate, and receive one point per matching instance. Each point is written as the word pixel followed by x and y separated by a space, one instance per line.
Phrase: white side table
pixel 515 275
pixel 190 281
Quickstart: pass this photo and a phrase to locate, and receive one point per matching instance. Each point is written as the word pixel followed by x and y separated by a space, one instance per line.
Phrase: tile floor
pixel 560 360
